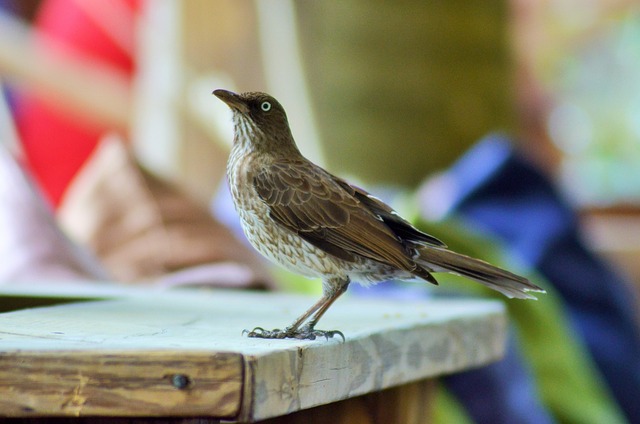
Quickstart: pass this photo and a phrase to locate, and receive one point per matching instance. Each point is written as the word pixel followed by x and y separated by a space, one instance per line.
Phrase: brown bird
pixel 313 223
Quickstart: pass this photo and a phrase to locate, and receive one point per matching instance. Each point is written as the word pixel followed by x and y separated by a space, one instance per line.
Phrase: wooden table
pixel 147 353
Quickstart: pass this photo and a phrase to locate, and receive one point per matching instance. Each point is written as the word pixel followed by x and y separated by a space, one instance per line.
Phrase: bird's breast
pixel 279 244
pixel 269 238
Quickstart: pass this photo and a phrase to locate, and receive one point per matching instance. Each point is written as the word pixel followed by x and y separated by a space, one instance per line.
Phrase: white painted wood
pixel 388 343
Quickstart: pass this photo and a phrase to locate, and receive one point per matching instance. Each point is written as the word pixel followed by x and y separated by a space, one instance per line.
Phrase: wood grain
pixel 72 383
pixel 117 356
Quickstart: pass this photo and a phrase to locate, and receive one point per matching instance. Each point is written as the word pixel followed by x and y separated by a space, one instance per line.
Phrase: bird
pixel 316 224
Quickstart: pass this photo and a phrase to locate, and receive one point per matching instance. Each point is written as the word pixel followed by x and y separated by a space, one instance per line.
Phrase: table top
pixel 102 351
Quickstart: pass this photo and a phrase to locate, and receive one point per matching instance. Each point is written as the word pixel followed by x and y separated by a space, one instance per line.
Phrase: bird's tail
pixel 507 283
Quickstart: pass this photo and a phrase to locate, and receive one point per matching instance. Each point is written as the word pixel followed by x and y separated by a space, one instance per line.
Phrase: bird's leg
pixel 289 331
pixel 332 289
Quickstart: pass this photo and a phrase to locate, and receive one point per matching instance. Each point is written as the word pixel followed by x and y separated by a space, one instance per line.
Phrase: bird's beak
pixel 233 100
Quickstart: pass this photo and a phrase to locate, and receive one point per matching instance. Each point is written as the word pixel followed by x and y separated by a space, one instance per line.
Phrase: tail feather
pixel 505 282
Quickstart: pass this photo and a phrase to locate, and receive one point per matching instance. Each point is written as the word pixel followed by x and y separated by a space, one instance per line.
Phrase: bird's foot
pixel 304 333
pixel 311 333
pixel 261 333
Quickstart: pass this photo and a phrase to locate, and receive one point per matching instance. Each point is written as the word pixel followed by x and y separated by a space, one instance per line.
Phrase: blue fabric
pixel 501 192
pixel 9 8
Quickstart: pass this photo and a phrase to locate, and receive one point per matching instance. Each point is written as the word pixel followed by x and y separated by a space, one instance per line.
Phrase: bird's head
pixel 258 117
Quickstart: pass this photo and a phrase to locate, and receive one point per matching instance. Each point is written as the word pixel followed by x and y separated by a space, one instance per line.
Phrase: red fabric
pixel 56 142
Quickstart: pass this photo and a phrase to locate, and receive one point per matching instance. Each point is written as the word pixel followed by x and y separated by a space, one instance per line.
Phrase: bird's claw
pixel 300 334
pixel 311 334
pixel 261 333
pixel 254 333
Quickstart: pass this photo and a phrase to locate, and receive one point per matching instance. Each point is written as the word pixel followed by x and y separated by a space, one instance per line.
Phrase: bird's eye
pixel 265 106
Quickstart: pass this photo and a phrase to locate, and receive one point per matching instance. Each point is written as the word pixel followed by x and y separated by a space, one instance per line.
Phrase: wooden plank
pixel 388 344
pixel 407 404
pixel 85 383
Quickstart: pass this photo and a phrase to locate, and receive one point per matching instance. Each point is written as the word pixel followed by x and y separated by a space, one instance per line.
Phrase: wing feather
pixel 310 202
pixel 401 227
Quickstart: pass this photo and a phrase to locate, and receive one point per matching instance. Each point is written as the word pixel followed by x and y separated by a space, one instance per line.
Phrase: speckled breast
pixel 273 241
pixel 285 247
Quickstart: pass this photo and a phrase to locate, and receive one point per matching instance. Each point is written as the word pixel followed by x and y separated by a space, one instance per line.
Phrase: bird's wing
pixel 400 226
pixel 307 200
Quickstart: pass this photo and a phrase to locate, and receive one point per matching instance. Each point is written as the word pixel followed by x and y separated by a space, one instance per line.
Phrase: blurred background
pixel 381 92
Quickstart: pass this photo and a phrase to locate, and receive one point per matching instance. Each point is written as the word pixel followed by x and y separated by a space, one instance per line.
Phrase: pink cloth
pixel 32 248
